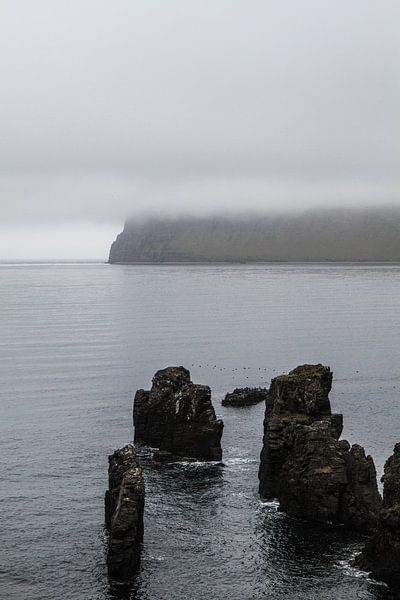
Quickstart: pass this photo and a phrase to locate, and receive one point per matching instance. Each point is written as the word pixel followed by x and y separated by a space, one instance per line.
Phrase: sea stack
pixel 245 396
pixel 381 555
pixel 304 465
pixel 177 417
pixel 124 506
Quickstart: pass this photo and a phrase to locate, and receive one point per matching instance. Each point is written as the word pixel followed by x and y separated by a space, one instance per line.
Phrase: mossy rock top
pixel 293 418
pixel 304 390
pixel 302 373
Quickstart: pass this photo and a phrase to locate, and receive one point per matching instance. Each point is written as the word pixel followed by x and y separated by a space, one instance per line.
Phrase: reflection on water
pixel 78 340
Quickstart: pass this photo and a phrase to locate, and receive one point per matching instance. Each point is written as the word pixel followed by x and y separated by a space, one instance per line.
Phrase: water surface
pixel 76 342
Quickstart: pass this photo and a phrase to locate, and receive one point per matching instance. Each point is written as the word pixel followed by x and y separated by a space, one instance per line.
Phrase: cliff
pixel 303 464
pixel 330 235
pixel 380 555
pixel 124 506
pixel 177 416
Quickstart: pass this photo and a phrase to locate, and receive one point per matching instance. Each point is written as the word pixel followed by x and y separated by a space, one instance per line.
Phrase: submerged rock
pixel 303 463
pixel 177 417
pixel 124 506
pixel 381 554
pixel 245 396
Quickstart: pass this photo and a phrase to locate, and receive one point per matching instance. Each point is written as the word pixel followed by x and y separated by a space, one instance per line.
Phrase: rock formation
pixel 124 505
pixel 381 555
pixel 177 417
pixel 245 396
pixel 303 463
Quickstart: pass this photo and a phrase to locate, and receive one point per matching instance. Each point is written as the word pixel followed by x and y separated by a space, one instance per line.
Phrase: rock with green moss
pixel 305 390
pixel 124 506
pixel 303 463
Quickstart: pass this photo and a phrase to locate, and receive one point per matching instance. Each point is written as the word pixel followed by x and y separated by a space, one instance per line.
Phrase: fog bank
pixel 112 109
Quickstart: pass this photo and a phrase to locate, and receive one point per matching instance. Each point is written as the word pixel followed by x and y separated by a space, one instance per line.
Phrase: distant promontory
pixel 329 235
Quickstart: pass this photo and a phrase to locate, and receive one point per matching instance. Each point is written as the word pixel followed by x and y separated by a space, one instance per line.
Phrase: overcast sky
pixel 117 107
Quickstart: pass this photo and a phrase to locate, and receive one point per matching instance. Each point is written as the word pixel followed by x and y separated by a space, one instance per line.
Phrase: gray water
pixel 77 341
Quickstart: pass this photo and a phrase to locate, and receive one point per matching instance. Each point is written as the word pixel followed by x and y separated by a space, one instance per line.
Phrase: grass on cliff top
pixel 301 373
pixel 294 418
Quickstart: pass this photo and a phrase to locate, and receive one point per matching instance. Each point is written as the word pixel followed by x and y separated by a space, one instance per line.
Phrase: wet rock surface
pixel 245 396
pixel 381 554
pixel 177 417
pixel 303 464
pixel 124 506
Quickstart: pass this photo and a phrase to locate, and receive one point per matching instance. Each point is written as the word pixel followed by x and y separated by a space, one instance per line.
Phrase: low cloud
pixel 131 108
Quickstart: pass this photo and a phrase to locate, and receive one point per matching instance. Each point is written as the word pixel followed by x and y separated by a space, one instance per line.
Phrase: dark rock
pixel 294 399
pixel 164 457
pixel 161 456
pixel 305 390
pixel 177 416
pixel 245 396
pixel 153 411
pixel 124 506
pixel 381 554
pixel 303 463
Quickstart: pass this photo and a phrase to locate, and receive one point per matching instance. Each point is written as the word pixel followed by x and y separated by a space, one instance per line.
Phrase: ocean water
pixel 77 341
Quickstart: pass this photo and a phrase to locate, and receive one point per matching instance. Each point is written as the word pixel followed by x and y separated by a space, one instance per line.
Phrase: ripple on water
pixel 78 340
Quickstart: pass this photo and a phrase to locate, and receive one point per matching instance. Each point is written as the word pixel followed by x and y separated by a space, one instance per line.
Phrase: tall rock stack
pixel 381 555
pixel 124 506
pixel 177 417
pixel 303 463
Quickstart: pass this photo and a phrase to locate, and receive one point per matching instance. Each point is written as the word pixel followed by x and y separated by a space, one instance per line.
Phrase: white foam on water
pixel 269 503
pixel 240 461
pixel 352 571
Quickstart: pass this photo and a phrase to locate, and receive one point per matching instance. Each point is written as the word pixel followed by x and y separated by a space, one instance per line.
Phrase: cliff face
pixel 124 506
pixel 303 464
pixel 177 416
pixel 380 555
pixel 346 235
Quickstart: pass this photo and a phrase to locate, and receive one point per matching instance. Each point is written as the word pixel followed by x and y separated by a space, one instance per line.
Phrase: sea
pixel 77 340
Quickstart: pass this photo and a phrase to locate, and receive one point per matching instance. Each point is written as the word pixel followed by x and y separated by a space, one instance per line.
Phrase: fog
pixel 113 109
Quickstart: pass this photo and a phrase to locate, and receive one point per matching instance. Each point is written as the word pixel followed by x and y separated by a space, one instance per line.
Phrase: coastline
pixel 255 262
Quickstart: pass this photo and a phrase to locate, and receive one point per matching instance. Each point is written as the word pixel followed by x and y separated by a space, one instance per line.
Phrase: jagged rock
pixel 303 463
pixel 177 416
pixel 124 506
pixel 154 410
pixel 381 554
pixel 245 396
pixel 294 399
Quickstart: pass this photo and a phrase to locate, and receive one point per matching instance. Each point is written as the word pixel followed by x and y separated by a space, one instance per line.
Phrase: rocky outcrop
pixel 245 397
pixel 303 463
pixel 154 410
pixel 124 505
pixel 381 555
pixel 177 417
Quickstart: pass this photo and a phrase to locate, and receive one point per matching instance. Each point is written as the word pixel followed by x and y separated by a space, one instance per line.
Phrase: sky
pixel 119 108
